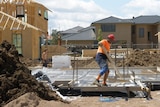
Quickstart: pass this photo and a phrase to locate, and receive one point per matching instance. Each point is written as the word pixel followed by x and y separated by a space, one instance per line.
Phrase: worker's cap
pixel 111 37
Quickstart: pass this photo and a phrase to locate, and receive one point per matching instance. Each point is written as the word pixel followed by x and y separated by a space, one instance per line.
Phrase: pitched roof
pixel 146 19
pixel 85 34
pixel 72 30
pixel 87 28
pixel 112 19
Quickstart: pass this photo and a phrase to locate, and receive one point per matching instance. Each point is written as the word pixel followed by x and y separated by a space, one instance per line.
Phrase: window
pixel 24 19
pixel 108 27
pixel 17 41
pixel 141 32
pixel 19 11
pixel 39 11
pixel 46 15
pixel 14 13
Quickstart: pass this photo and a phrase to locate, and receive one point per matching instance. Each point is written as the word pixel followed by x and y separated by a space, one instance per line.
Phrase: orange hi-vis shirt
pixel 106 44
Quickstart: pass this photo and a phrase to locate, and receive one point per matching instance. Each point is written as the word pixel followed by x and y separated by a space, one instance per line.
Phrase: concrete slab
pixel 82 79
pixel 85 77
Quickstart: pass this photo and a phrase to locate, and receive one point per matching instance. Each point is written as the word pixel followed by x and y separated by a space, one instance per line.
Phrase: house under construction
pixel 23 23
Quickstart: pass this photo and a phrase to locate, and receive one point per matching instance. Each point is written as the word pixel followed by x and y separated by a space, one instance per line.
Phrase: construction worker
pixel 101 59
pixel 44 57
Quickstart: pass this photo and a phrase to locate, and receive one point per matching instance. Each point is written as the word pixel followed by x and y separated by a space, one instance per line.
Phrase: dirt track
pixel 31 100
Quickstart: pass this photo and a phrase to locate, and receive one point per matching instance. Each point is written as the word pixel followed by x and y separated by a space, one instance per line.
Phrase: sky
pixel 67 14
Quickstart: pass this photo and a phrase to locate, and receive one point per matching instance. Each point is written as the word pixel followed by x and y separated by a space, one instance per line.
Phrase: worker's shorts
pixel 102 61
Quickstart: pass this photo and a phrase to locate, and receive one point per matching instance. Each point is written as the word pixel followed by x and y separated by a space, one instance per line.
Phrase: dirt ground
pixel 18 88
pixel 31 100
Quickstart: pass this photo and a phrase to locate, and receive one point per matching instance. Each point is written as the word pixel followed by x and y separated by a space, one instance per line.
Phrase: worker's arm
pixel 105 51
pixel 100 43
pixel 111 61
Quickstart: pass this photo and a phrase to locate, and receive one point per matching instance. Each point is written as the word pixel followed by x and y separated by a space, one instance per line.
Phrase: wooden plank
pixel 6 23
pixel 17 21
pixel 57 83
pixel 102 89
pixel 139 83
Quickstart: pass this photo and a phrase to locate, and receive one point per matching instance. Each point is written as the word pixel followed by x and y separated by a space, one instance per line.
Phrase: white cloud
pixel 141 7
pixel 70 13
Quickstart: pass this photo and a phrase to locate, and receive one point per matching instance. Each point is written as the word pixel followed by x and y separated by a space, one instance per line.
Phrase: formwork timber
pixel 80 81
pixel 120 91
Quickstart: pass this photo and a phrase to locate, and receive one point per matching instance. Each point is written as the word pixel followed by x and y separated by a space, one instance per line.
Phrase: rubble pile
pixel 16 78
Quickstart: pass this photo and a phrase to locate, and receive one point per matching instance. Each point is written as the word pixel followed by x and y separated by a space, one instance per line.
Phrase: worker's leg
pixel 105 77
pixel 104 70
pixel 101 61
pixel 98 77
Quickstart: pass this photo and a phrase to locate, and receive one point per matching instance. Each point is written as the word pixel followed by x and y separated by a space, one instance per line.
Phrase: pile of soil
pixel 26 100
pixel 145 58
pixel 29 62
pixel 16 78
pixel 137 58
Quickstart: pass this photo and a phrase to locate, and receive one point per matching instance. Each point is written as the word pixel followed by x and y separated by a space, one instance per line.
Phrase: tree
pixel 99 38
pixel 54 41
